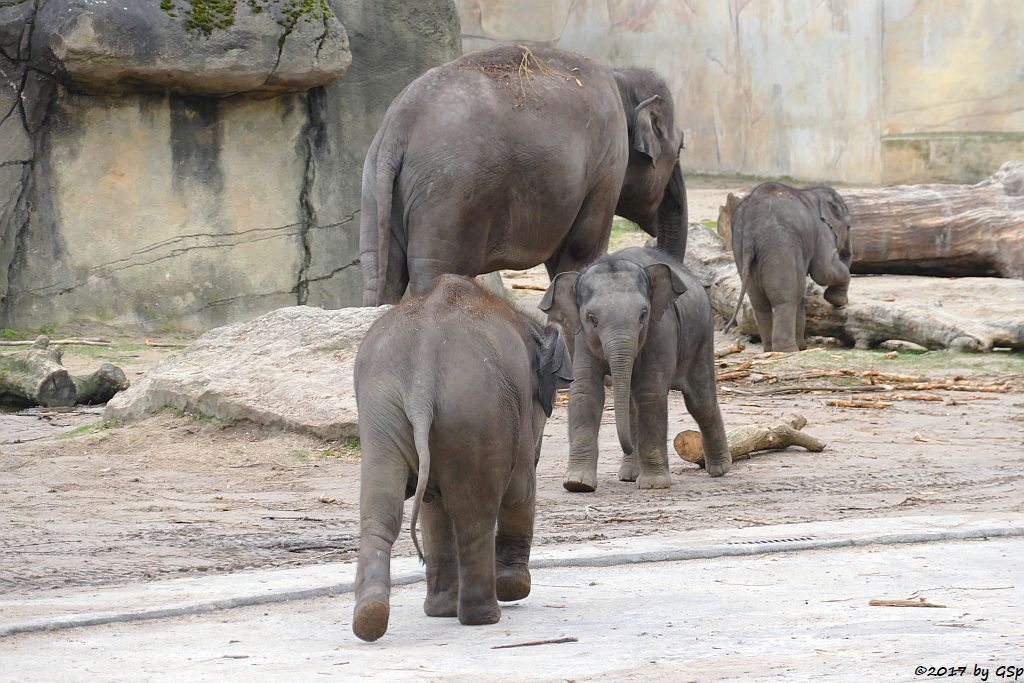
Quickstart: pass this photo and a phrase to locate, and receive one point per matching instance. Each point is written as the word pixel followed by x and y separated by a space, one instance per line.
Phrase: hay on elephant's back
pixel 517 71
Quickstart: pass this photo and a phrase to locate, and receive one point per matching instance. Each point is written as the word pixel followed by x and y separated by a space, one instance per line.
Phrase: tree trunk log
pixel 751 438
pixel 100 386
pixel 947 230
pixel 36 377
pixel 862 323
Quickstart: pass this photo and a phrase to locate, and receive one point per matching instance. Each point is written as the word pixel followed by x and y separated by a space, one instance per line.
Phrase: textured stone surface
pixel 170 211
pixel 131 46
pixel 848 90
pixel 290 369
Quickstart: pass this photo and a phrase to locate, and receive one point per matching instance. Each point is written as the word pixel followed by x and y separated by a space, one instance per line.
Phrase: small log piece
pixel 36 377
pixel 751 438
pixel 100 386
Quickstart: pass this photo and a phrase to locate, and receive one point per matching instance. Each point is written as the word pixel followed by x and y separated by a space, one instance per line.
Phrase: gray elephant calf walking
pixel 453 390
pixel 781 234
pixel 643 318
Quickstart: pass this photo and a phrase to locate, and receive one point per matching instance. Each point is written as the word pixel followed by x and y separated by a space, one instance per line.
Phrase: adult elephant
pixel 511 157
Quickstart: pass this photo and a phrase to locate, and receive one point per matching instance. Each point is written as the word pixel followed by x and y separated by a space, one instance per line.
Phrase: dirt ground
pixel 86 503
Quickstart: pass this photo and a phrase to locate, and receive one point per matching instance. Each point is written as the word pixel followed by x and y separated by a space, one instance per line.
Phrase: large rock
pixel 132 46
pixel 131 196
pixel 289 369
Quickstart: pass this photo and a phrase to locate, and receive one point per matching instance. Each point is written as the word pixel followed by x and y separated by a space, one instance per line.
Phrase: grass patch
pixel 90 428
pixel 710 224
pixel 14 335
pixel 907 361
pixel 346 449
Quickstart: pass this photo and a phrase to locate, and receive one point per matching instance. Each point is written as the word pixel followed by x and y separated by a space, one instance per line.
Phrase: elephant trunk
pixel 620 352
pixel 672 217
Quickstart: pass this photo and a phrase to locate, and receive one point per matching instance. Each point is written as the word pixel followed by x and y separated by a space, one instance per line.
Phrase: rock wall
pixel 847 90
pixel 171 178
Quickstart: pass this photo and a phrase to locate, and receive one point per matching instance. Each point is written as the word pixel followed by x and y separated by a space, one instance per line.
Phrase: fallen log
pixel 948 230
pixel 37 377
pixel 100 386
pixel 751 438
pixel 862 323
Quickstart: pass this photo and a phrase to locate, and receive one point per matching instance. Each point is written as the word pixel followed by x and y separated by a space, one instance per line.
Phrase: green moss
pixel 207 16
pixel 346 449
pixel 14 335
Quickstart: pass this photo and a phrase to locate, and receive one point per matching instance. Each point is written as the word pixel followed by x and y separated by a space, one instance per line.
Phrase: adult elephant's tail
pixel 383 164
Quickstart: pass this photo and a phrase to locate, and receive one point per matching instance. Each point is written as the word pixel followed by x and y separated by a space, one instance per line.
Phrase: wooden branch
pixel 76 341
pixel 857 403
pixel 863 323
pixel 751 438
pixel 531 643
pixel 532 288
pixel 949 230
pixel 920 602
pixel 731 349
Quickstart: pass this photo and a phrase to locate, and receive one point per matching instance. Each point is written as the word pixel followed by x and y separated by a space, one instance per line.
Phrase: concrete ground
pixel 784 613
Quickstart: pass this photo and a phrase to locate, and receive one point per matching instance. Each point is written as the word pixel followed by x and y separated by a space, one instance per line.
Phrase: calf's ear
pixel 559 302
pixel 553 365
pixel 665 288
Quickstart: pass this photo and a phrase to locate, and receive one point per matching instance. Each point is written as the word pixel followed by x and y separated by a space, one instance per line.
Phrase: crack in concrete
pixel 312 136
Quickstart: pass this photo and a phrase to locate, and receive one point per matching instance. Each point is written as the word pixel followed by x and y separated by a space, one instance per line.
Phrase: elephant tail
pixel 744 275
pixel 385 189
pixel 421 437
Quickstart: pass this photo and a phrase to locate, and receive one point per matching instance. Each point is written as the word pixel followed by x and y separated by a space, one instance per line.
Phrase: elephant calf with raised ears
pixel 511 157
pixel 780 235
pixel 453 391
pixel 645 320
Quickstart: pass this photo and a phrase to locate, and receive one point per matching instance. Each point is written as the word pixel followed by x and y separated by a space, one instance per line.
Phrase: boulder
pixel 137 46
pixel 158 178
pixel 289 369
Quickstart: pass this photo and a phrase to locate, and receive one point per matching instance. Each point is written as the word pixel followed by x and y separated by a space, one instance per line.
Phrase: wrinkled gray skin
pixel 453 391
pixel 781 234
pixel 478 166
pixel 646 321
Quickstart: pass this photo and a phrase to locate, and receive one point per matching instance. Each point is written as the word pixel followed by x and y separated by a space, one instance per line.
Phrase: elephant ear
pixel 553 365
pixel 666 287
pixel 559 302
pixel 833 213
pixel 645 139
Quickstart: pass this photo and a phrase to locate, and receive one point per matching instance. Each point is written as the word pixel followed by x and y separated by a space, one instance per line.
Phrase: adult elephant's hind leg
pixel 382 491
pixel 587 239
pixel 441 559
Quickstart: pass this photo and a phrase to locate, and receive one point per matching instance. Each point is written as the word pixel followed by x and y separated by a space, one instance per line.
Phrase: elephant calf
pixel 453 390
pixel 645 320
pixel 780 234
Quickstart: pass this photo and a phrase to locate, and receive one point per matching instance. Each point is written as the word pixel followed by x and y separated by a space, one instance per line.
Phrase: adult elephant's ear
pixel 665 288
pixel 645 138
pixel 559 302
pixel 554 365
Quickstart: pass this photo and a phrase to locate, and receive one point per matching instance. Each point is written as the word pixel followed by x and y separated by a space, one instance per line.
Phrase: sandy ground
pixel 175 495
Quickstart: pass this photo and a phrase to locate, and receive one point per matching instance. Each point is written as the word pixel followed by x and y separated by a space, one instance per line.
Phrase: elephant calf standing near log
pixel 511 157
pixel 781 234
pixel 645 320
pixel 453 391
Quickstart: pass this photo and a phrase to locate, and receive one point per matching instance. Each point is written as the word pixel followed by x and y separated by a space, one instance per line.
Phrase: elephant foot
pixel 479 615
pixel 443 604
pixel 718 466
pixel 512 583
pixel 580 480
pixel 658 480
pixel 370 620
pixel 628 471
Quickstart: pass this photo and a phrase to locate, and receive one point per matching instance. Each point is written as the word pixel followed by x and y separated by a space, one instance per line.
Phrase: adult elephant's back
pixel 504 158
